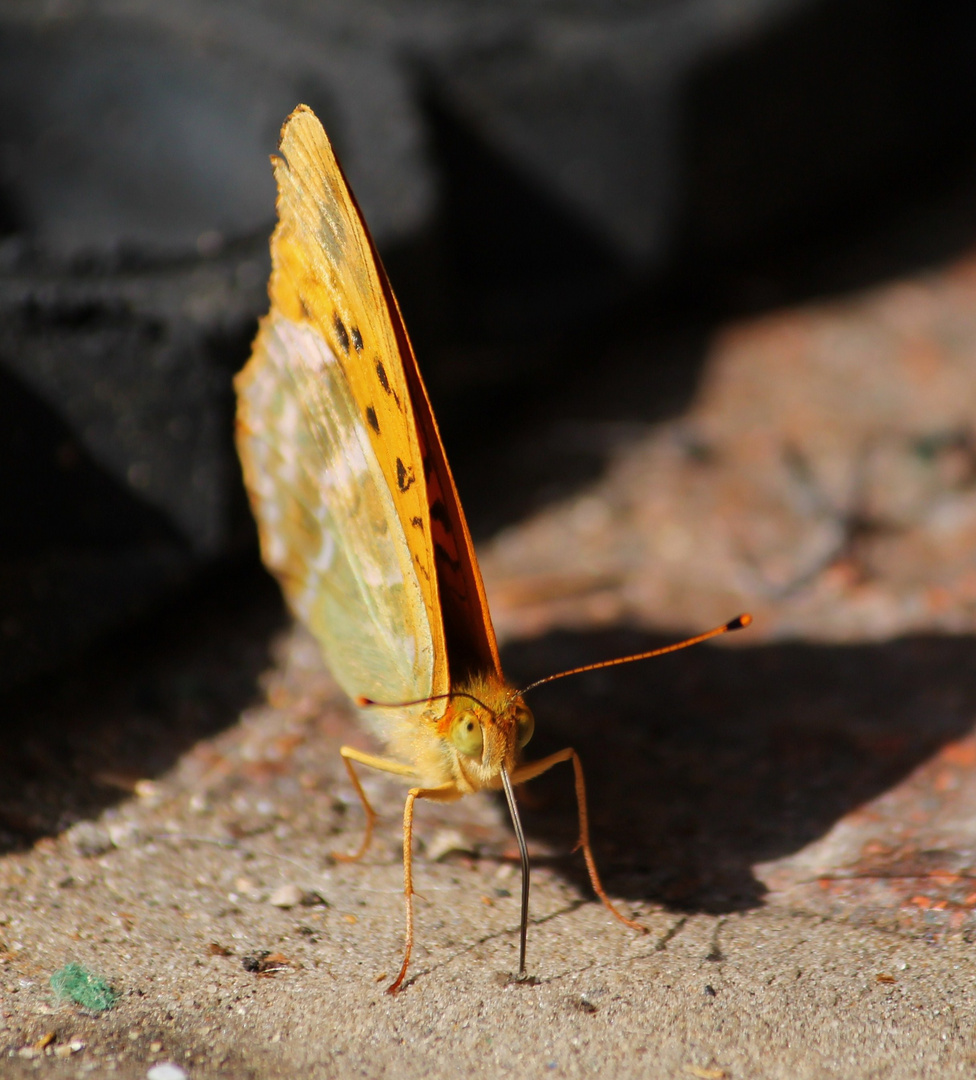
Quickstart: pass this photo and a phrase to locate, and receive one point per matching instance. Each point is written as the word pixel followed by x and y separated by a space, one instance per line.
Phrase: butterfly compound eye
pixel 525 723
pixel 466 734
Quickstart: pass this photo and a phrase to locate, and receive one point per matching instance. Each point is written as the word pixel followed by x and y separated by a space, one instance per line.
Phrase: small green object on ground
pixel 89 990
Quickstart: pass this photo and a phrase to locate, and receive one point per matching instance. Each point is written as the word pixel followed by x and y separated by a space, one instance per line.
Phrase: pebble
pixel 88 838
pixel 123 834
pixel 290 895
pixel 444 841
pixel 166 1070
pixel 64 1050
pixel 287 896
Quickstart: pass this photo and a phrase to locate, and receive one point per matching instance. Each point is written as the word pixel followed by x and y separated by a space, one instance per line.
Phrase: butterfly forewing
pixel 469 636
pixel 364 405
pixel 325 276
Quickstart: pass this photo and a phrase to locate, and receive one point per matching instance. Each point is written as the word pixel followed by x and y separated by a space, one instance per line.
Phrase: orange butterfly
pixel 360 520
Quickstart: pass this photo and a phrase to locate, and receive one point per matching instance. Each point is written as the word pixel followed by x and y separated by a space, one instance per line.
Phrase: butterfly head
pixel 484 729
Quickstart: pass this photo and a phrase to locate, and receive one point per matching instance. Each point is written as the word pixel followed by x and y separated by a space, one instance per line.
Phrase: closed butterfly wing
pixel 356 507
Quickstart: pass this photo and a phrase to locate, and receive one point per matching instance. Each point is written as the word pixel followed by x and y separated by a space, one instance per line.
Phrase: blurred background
pixel 692 283
pixel 571 197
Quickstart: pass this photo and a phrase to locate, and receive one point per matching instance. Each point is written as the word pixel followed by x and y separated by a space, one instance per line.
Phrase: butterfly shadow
pixel 701 765
pixel 76 743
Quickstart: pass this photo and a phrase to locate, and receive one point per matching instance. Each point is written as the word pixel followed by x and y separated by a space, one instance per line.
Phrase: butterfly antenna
pixel 524 857
pixel 738 623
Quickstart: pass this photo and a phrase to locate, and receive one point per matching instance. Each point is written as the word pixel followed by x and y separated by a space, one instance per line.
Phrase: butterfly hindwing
pixel 328 525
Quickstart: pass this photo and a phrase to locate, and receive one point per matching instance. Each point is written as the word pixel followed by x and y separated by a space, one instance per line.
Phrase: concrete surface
pixel 791 819
pixel 169 893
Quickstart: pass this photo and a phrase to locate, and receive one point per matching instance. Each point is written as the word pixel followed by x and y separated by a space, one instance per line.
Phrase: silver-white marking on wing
pixel 328 524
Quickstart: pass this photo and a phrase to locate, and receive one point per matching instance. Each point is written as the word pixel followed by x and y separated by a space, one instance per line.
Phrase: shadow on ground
pixel 76 743
pixel 701 765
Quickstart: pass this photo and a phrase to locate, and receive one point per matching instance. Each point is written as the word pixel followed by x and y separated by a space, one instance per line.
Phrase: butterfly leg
pixel 537 768
pixel 349 755
pixel 443 793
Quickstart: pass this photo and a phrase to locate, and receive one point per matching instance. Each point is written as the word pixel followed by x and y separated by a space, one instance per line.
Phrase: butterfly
pixel 359 518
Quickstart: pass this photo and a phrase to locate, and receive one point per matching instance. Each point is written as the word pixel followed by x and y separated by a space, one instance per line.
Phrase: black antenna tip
pixel 362 702
pixel 739 623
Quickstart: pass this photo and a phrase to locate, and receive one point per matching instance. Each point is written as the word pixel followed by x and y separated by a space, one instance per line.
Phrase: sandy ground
pixel 174 889
pixel 791 819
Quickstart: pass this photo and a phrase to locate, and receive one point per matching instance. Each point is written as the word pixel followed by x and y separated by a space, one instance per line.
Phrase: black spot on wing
pixel 417 522
pixel 438 512
pixel 441 555
pixel 371 417
pixel 385 382
pixel 405 477
pixel 305 309
pixel 341 333
pixel 357 339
